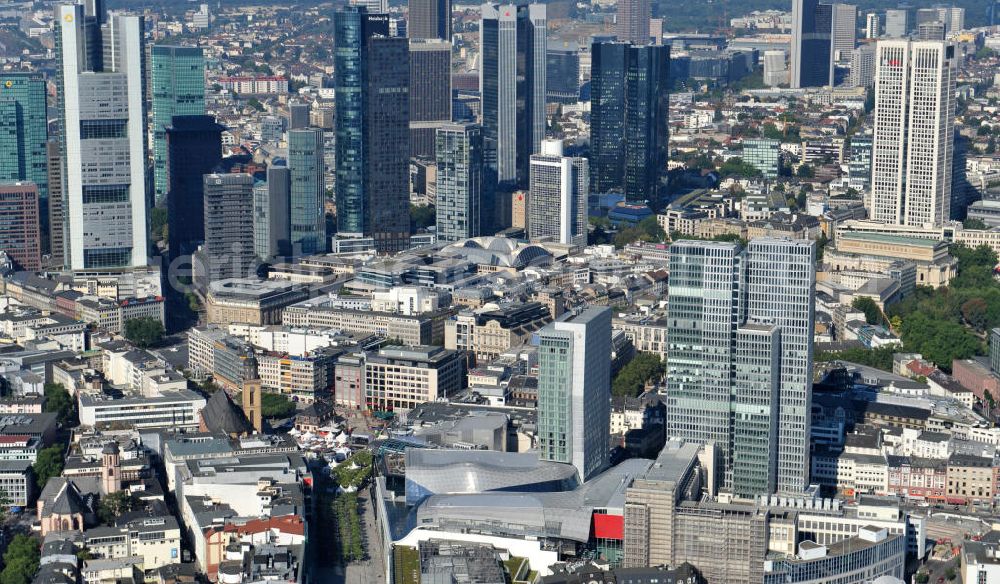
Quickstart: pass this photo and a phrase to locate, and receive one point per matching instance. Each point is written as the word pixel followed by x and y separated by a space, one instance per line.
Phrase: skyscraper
pixel 844 31
pixel 459 159
pixel 562 72
pixel 193 149
pixel 557 204
pixel 512 86
pixel 913 143
pixel 24 132
pixel 372 78
pixel 862 66
pixel 270 219
pixel 298 115
pixel 781 285
pixel 632 21
pixel 872 25
pixel 933 30
pixel 307 191
pixel 178 81
pixel 103 120
pixel 19 224
pixel 812 47
pixel 739 356
pixel 228 251
pixel 629 119
pixel 574 386
pixel 897 23
pixel 775 68
pixel 430 93
pixel 57 247
pixel 430 19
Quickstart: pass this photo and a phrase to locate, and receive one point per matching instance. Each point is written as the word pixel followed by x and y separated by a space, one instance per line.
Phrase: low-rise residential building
pixel 970 479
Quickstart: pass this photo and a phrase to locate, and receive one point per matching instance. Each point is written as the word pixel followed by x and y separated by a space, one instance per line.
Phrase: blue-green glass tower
pixel 24 131
pixel 178 80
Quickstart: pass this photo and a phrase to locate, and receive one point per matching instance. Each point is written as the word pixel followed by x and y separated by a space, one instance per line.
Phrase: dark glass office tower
pixel 629 119
pixel 812 44
pixel 305 164
pixel 194 149
pixel 430 93
pixel 646 120
pixel 562 73
pixel 430 19
pixel 372 81
pixel 178 82
pixel 24 134
pixel 512 78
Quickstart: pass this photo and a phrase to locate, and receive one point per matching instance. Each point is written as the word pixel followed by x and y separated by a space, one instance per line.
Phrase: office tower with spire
pixel 429 19
pixel 632 21
pixel 574 386
pixel 913 144
pixel 740 328
pixel 372 79
pixel 102 110
pixel 557 203
pixel 512 86
pixel 430 93
pixel 24 133
pixel 193 149
pixel 459 183
pixel 812 46
pixel 629 119
pixel 178 85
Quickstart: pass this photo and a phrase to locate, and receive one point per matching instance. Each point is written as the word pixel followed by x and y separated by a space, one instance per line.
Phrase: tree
pixel 736 166
pixel 48 464
pixel 949 574
pixel 276 405
pixel 873 314
pixel 58 401
pixel 144 331
pixel 634 376
pixel 114 505
pixel 158 223
pixel 974 311
pixel 879 358
pixel 422 216
pixel 21 560
pixel 922 577
pixel 805 171
pixel 974 224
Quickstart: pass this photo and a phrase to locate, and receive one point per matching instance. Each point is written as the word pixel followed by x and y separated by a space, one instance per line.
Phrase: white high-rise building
pixel 574 389
pixel 872 25
pixel 914 132
pixel 559 187
pixel 104 123
pixel 897 23
pixel 844 31
pixel 862 66
pixel 775 68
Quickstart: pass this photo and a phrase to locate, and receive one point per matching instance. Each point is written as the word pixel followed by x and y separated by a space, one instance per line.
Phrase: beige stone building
pixel 874 252
pixel 250 301
pixel 488 332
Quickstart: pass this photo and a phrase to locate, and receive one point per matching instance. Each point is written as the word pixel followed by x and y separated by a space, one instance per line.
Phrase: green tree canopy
pixel 114 505
pixel 48 464
pixel 58 401
pixel 873 314
pixel 276 405
pixel 20 560
pixel 634 376
pixel 144 331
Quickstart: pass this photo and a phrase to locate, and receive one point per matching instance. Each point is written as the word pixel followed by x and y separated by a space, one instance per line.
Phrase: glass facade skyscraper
pixel 307 192
pixel 629 119
pixel 574 386
pixel 429 19
pixel 178 84
pixel 512 79
pixel 24 131
pixel 103 117
pixel 740 328
pixel 459 158
pixel 372 78
pixel 194 148
pixel 812 44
